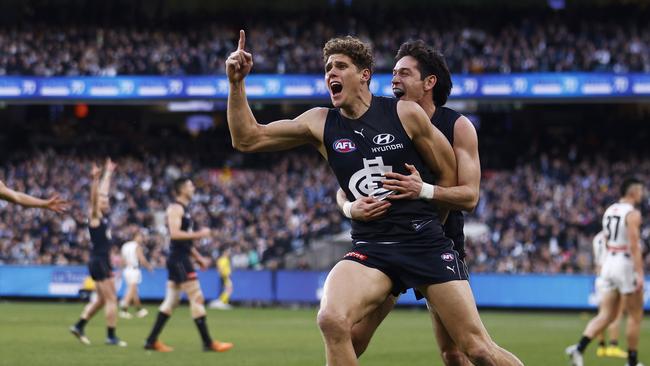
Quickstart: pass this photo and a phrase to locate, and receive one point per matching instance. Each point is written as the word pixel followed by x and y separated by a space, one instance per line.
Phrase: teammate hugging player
pixel 181 274
pixel 99 265
pixel 363 138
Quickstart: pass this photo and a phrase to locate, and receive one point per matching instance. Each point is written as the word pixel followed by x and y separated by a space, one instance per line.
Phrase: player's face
pixel 637 193
pixel 344 80
pixel 188 189
pixel 407 81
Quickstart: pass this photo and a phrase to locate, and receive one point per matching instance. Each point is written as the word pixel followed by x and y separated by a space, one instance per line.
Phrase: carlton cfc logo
pixel 344 145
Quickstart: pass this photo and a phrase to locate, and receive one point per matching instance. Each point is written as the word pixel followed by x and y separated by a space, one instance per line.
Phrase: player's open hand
pixel 205 232
pixel 369 209
pixel 56 204
pixel 204 263
pixel 240 62
pixel 405 186
pixel 639 281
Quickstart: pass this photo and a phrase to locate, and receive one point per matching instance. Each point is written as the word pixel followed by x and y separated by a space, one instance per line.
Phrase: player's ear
pixel 365 76
pixel 429 82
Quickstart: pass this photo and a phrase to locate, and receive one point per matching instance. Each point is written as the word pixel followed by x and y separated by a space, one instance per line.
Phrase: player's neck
pixel 427 104
pixel 627 200
pixel 359 106
pixel 183 200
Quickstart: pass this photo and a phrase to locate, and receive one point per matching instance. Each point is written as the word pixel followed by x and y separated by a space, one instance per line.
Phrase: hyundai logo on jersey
pixel 344 146
pixel 383 139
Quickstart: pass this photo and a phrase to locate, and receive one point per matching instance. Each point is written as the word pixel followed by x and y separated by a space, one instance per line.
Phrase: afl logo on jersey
pixel 344 146
pixel 447 257
pixel 383 139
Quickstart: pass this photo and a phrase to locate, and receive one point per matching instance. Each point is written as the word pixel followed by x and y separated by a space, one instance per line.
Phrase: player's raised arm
pixel 174 222
pixel 634 237
pixel 95 212
pixel 248 135
pixel 53 203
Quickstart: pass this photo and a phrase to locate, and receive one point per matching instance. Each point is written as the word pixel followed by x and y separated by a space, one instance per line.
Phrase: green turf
pixel 36 334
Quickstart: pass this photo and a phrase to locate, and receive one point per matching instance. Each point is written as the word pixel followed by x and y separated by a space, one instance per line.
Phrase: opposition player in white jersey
pixel 132 257
pixel 604 350
pixel 621 275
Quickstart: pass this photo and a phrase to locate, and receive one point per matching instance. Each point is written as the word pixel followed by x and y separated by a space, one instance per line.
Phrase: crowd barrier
pixel 490 290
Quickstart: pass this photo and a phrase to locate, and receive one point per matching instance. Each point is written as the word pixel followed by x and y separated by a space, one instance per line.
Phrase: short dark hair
pixel 354 48
pixel 430 62
pixel 178 184
pixel 629 182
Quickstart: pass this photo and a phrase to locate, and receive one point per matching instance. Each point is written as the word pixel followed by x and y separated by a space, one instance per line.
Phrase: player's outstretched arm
pixel 634 238
pixel 53 203
pixel 174 223
pixel 105 183
pixel 142 259
pixel 95 212
pixel 248 135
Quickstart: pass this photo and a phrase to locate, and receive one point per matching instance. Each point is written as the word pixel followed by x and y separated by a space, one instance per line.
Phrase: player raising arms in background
pixel 621 273
pixel 181 274
pixel 99 265
pixel 132 257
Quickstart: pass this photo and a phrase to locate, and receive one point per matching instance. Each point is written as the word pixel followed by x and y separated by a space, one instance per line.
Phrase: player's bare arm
pixel 95 212
pixel 53 203
pixel 431 144
pixel 203 262
pixel 174 222
pixel 634 234
pixel 248 135
pixel 142 259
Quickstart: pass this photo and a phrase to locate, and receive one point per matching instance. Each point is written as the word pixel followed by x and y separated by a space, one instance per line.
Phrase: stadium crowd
pixel 541 215
pixel 472 44
pixel 260 214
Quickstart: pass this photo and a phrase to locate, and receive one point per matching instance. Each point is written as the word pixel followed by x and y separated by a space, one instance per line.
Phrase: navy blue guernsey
pixel 100 237
pixel 445 119
pixel 183 248
pixel 359 152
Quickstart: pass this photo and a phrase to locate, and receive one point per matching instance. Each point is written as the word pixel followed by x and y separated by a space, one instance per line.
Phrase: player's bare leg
pixel 634 307
pixel 607 311
pixel 197 309
pixel 91 308
pixel 171 301
pixel 106 288
pixel 363 331
pixel 613 331
pixel 449 351
pixel 352 291
pixel 127 300
pixel 454 303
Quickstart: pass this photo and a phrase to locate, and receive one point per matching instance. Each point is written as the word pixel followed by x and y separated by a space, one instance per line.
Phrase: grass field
pixel 36 334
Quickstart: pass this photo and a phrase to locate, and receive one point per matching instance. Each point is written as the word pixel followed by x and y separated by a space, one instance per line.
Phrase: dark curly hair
pixel 430 62
pixel 354 48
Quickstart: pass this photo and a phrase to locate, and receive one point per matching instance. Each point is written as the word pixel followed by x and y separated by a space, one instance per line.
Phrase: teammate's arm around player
pixel 53 203
pixel 462 196
pixel 248 135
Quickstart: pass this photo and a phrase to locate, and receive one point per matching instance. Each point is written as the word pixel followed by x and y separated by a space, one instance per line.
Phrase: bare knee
pixel 333 324
pixel 453 357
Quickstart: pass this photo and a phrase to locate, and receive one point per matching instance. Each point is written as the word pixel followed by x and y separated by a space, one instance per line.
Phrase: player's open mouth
pixel 336 87
pixel 398 92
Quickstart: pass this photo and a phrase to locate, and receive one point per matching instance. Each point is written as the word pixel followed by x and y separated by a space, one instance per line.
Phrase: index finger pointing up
pixel 242 40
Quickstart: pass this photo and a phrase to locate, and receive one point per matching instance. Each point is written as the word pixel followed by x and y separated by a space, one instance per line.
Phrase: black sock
pixel 157 327
pixel 81 324
pixel 601 343
pixel 632 358
pixel 613 342
pixel 110 331
pixel 203 329
pixel 584 342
